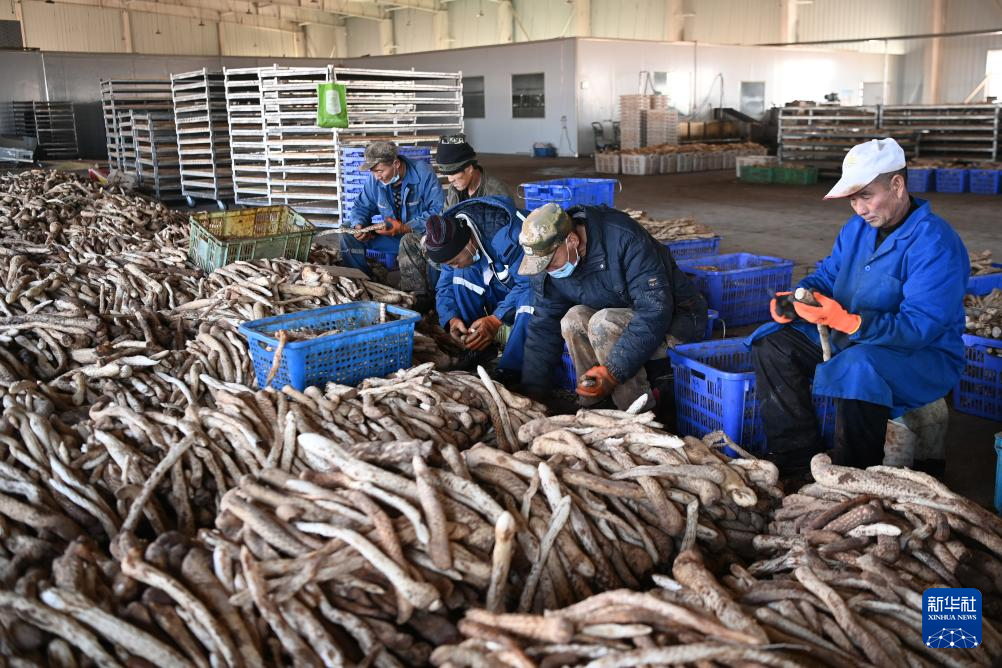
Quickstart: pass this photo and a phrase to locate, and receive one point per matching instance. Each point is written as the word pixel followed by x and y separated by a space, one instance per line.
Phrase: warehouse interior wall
pixel 610 68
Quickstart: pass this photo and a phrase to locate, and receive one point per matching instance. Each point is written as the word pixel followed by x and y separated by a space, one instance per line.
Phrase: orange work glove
pixel 457 328
pixel 830 313
pixel 776 315
pixel 601 384
pixel 394 228
pixel 482 332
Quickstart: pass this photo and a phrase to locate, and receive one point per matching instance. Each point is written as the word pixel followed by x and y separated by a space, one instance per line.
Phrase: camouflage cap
pixel 377 152
pixel 542 233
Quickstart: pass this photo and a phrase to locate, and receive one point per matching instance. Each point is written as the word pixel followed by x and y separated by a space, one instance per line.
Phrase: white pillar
pixel 126 31
pixel 933 61
pixel 506 25
pixel 440 29
pixel 385 36
pixel 581 24
pixel 788 21
pixel 674 21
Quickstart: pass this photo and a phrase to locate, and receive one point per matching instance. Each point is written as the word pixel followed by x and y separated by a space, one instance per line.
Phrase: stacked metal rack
pixel 203 135
pixel 245 122
pixel 822 135
pixel 956 132
pixel 118 98
pixel 52 124
pixel 157 163
pixel 273 131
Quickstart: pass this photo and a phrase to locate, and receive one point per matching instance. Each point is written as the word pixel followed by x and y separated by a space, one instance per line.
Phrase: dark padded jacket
pixel 623 267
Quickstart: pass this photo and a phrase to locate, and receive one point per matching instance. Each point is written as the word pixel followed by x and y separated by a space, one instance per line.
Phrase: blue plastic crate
pixel 354 151
pixel 952 180
pixel 979 391
pixel 741 284
pixel 712 318
pixel 986 181
pixel 388 260
pixel 544 151
pixel 982 285
pixel 567 377
pixel 715 389
pixel 568 192
pixel 921 180
pixel 690 248
pixel 365 347
pixel 998 472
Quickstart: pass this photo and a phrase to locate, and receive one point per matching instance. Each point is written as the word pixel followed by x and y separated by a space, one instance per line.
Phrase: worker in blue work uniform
pixel 608 289
pixel 476 244
pixel 891 293
pixel 403 191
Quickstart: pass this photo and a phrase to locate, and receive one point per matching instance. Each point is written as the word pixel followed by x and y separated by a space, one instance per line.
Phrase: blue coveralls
pixel 490 286
pixel 907 352
pixel 910 293
pixel 421 196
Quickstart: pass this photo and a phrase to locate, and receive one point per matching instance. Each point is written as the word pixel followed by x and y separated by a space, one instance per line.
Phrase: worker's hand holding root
pixel 482 332
pixel 394 228
pixel 779 307
pixel 457 329
pixel 362 236
pixel 597 382
pixel 829 312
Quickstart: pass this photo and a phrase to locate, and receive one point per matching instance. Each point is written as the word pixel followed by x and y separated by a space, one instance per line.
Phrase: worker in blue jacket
pixel 604 286
pixel 478 289
pixel 891 293
pixel 403 191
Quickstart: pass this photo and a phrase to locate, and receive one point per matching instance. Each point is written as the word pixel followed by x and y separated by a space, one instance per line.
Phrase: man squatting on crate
pixel 403 191
pixel 604 286
pixel 467 180
pixel 891 293
pixel 476 245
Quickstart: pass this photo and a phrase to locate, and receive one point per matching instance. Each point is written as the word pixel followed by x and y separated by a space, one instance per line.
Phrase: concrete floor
pixel 793 222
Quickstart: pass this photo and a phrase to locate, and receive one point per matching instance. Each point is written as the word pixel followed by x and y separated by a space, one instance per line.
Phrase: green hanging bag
pixel 332 111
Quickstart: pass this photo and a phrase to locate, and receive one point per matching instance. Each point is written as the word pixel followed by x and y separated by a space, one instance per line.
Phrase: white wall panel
pixel 847 19
pixel 248 40
pixel 629 19
pixel 363 38
pixel 57 27
pixel 7 11
pixel 178 35
pixel 468 28
pixel 543 19
pixel 413 31
pixel 733 21
pixel 324 41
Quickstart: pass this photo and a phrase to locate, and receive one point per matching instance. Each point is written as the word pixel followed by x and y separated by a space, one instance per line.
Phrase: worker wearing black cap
pixel 467 180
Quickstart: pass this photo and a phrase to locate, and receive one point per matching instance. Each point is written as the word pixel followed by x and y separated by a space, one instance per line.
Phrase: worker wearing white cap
pixel 891 292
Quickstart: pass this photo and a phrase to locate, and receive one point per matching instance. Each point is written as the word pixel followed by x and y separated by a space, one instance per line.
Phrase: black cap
pixel 454 154
pixel 445 238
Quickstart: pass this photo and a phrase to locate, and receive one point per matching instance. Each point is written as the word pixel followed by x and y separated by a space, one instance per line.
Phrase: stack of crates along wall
pixel 661 124
pixel 279 153
pixel 203 135
pixel 157 164
pixel 119 97
pixel 635 121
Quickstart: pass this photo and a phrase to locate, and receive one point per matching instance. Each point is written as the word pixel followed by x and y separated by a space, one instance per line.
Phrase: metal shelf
pixel 958 132
pixel 203 135
pixel 157 163
pixel 280 155
pixel 119 97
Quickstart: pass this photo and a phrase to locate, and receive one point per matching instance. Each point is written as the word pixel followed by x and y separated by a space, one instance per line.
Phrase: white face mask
pixel 568 268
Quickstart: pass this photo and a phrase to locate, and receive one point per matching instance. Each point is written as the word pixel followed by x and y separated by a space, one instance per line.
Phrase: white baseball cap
pixel 865 162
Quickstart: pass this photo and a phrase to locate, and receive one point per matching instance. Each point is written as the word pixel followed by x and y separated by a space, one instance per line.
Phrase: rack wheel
pixel 190 201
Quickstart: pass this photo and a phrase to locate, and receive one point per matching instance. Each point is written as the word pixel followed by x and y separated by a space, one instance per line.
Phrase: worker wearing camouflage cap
pixel 403 191
pixel 604 286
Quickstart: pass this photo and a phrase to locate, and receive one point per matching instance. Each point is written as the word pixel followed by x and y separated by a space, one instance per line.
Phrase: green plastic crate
pixel 797 176
pixel 755 174
pixel 218 238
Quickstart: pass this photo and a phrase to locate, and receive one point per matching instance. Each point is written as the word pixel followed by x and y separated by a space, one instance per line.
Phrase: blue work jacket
pixel 497 224
pixel 909 292
pixel 421 196
pixel 623 267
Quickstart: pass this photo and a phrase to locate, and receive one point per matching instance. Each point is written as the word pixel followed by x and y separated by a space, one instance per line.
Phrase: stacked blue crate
pixel 353 177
